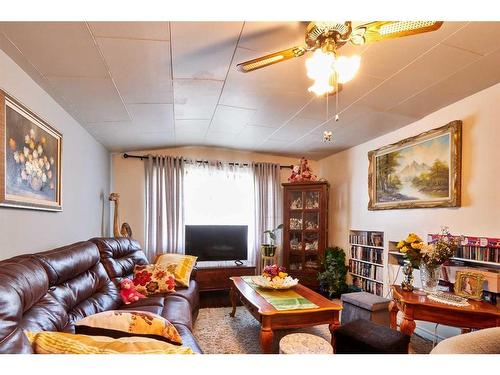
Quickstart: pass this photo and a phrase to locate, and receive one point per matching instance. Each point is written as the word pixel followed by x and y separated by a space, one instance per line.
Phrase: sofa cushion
pixel 184 266
pixel 68 343
pixel 119 256
pixel 190 293
pixel 78 280
pixel 188 339
pixel 24 303
pixel 177 310
pixel 153 279
pixel 154 304
pixel 122 323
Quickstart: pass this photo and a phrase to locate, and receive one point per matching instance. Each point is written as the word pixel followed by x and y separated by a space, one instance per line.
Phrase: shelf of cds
pixel 366 260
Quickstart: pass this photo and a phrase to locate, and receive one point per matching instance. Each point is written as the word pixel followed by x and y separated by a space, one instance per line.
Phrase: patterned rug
pixel 218 333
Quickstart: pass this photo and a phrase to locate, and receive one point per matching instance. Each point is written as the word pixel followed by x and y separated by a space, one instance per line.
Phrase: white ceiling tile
pixel 152 117
pixel 435 65
pixel 230 119
pixel 140 68
pixel 478 76
pixel 203 50
pixel 384 58
pixel 133 140
pixel 96 99
pixel 196 99
pixel 132 30
pixel 57 48
pixel 478 37
pixel 192 126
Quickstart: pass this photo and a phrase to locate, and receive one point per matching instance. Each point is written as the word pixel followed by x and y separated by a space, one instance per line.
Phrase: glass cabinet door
pixel 312 200
pixel 295 221
pixel 296 200
pixel 311 220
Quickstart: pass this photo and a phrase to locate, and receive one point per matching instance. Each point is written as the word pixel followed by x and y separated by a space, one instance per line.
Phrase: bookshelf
pixel 477 253
pixel 366 260
pixel 474 252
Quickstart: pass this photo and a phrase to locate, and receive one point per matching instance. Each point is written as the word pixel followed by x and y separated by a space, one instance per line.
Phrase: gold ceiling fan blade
pixel 270 59
pixel 381 30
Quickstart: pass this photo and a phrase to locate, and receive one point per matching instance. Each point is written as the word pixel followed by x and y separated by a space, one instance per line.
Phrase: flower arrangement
pixel 411 247
pixel 431 254
pixel 36 168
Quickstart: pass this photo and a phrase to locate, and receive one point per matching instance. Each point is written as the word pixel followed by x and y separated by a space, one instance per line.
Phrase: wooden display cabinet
pixel 305 232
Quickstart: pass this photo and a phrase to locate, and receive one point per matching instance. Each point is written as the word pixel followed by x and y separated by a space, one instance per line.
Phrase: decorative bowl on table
pixel 274 277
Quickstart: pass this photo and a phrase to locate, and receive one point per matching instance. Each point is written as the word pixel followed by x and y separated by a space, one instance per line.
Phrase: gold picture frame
pixel 469 284
pixel 30 158
pixel 418 172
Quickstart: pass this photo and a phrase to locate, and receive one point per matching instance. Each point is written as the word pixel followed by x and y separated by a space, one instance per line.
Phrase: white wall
pixel 85 172
pixel 128 176
pixel 479 214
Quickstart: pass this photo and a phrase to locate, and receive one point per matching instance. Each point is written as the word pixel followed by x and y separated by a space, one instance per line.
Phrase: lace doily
pixel 448 299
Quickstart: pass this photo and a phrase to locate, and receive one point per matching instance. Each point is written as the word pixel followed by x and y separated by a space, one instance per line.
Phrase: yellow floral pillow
pixel 153 279
pixel 184 266
pixel 122 323
pixel 68 343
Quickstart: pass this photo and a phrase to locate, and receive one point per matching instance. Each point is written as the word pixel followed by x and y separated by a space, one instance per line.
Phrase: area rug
pixel 218 333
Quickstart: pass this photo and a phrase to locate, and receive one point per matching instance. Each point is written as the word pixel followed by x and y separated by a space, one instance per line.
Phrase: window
pixel 219 196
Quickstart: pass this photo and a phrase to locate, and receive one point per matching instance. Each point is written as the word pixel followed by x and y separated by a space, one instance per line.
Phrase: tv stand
pixel 211 278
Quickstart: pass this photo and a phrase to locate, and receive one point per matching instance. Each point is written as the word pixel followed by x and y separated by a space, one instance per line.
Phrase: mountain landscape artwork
pixel 417 172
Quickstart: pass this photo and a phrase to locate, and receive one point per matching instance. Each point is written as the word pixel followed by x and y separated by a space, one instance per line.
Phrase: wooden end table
pixel 271 319
pixel 477 315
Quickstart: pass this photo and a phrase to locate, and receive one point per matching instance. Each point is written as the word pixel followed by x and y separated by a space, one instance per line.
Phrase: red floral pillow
pixel 153 279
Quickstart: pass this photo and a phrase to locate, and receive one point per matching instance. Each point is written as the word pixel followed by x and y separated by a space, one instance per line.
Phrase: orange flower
pixel 12 144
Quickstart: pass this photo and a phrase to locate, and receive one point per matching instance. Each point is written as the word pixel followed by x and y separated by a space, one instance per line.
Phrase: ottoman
pixel 366 337
pixel 304 343
pixel 363 305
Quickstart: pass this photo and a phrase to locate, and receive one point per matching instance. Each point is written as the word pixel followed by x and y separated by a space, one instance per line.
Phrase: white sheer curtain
pixel 164 205
pixel 220 193
pixel 268 205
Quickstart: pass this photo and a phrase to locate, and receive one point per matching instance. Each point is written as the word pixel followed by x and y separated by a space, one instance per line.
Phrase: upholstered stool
pixel 363 305
pixel 304 343
pixel 364 336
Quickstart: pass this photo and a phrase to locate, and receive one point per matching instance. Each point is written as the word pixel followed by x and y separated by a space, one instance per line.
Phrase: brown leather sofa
pixel 50 291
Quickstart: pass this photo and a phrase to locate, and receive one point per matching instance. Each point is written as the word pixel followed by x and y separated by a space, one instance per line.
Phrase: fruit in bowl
pixel 275 277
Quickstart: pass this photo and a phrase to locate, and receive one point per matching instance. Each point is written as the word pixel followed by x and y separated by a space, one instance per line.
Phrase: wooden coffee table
pixel 271 319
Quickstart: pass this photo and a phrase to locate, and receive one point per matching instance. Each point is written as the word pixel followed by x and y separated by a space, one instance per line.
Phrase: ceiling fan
pixel 325 38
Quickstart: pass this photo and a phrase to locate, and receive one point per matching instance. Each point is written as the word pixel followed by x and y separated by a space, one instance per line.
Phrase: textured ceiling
pixel 145 85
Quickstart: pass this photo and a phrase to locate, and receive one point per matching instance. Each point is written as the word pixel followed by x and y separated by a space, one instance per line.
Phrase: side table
pixel 477 315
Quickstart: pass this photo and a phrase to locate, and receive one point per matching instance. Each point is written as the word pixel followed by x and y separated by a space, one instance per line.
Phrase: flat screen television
pixel 217 242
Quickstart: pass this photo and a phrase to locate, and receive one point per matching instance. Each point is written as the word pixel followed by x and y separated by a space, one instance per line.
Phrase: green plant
pixel 272 233
pixel 333 278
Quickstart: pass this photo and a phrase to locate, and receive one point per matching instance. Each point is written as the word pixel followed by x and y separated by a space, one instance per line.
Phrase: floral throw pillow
pixel 124 323
pixel 153 279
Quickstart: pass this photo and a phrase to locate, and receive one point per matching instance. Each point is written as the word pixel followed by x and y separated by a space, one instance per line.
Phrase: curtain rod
pixel 126 156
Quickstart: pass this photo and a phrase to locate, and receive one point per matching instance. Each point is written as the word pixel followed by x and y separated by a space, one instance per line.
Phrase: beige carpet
pixel 218 333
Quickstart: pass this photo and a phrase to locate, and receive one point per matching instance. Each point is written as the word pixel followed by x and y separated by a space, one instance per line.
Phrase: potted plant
pixel 333 278
pixel 268 250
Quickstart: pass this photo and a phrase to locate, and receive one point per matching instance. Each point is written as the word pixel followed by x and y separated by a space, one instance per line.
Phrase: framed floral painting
pixel 30 158
pixel 417 172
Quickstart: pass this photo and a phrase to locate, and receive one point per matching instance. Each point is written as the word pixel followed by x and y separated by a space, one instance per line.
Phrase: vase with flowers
pixel 429 257
pixel 410 248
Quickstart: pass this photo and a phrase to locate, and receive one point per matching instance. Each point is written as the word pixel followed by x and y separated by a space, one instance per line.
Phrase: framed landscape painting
pixel 421 171
pixel 30 159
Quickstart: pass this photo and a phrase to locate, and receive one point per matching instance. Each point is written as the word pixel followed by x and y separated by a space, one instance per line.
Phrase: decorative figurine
pixel 407 283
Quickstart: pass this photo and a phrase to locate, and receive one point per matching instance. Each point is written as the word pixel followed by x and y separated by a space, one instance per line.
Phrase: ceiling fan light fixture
pixel 346 67
pixel 319 68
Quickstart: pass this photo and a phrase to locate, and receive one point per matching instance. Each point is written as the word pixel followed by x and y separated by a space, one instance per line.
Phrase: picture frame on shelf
pixel 30 158
pixel 469 284
pixel 376 239
pixel 423 171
